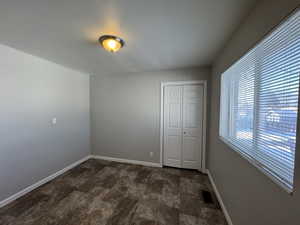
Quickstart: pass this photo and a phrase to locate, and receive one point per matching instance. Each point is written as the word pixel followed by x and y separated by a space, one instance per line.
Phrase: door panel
pixel 173 151
pixel 183 124
pixel 190 152
pixel 192 126
pixel 173 125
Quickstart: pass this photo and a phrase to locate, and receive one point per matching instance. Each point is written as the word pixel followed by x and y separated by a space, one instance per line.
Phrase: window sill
pixel 254 163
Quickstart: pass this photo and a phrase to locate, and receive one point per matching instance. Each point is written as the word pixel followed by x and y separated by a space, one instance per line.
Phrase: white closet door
pixel 192 126
pixel 173 125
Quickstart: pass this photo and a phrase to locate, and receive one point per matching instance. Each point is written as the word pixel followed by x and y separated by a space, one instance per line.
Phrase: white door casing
pixel 183 124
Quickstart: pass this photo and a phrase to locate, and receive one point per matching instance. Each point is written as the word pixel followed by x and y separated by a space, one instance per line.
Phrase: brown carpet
pixel 107 193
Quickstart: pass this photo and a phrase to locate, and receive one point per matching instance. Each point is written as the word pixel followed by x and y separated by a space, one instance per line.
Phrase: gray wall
pixel 125 112
pixel 32 92
pixel 250 197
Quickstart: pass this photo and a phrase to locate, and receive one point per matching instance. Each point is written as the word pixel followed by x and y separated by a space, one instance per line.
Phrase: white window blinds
pixel 259 102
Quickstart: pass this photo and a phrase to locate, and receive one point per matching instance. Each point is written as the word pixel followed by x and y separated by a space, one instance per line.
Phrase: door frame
pixel 171 83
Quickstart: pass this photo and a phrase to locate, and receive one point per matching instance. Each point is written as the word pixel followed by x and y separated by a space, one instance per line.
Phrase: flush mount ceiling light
pixel 111 43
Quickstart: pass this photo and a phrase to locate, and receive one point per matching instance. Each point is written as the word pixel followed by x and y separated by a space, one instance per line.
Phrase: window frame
pixel 251 158
pixel 257 165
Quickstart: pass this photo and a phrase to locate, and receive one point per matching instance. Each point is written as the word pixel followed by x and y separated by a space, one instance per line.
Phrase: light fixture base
pixel 111 43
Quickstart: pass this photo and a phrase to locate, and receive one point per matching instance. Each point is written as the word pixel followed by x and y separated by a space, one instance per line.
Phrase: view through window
pixel 259 102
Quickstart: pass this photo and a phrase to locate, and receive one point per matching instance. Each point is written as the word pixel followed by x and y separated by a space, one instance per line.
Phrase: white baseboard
pixel 41 182
pixel 229 221
pixel 53 176
pixel 137 162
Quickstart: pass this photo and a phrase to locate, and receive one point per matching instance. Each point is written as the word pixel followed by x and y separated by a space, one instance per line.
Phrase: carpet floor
pixel 100 192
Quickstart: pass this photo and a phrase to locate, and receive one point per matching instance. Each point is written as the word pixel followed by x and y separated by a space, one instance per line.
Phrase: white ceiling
pixel 159 34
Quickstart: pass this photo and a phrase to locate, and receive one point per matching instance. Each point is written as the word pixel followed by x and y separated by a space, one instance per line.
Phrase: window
pixel 259 103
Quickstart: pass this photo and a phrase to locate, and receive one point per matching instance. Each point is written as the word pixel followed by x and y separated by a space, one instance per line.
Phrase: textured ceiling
pixel 159 34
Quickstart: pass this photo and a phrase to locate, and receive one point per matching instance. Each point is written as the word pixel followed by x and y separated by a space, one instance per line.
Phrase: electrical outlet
pixel 151 154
